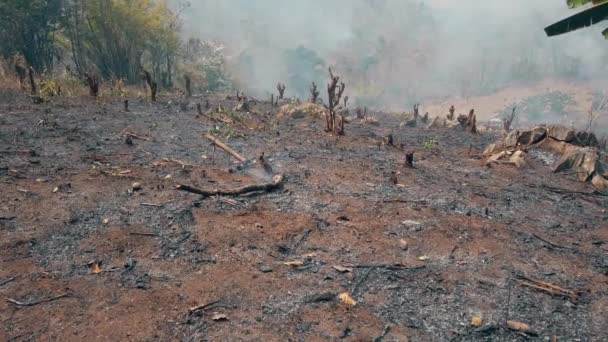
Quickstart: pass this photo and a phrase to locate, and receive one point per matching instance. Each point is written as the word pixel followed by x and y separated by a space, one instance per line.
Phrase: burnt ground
pixel 471 231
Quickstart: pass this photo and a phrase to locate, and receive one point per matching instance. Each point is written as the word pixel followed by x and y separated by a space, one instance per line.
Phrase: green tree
pixel 120 37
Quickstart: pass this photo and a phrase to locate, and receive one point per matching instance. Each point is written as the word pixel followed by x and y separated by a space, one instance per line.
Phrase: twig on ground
pixel 18 303
pixel 152 205
pixel 548 288
pixel 143 234
pixel 549 242
pixel 362 280
pixel 6 281
pixel 387 329
pixel 202 307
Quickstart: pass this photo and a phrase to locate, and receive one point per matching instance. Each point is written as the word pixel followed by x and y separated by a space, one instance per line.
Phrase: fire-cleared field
pixel 87 255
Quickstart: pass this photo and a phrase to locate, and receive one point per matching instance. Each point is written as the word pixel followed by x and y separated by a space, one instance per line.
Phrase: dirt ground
pixel 450 240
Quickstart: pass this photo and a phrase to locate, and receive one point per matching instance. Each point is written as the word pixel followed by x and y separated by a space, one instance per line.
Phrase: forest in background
pixel 111 39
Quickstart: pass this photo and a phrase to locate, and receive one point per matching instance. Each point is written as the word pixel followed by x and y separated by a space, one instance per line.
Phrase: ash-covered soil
pixel 84 256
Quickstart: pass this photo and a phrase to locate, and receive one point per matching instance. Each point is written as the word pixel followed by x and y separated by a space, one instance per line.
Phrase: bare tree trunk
pixel 188 86
pixel 153 86
pixel 34 88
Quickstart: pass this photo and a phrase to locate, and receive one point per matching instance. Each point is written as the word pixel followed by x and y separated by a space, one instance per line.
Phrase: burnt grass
pixel 66 174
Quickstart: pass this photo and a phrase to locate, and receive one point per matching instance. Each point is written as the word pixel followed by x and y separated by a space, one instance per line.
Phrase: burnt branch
pixel 506 122
pixel 335 89
pixel 281 88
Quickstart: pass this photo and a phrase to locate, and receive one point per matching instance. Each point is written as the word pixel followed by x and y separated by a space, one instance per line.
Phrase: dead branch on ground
pixel 225 147
pixel 549 288
pixel 4 282
pixel 202 307
pixel 18 303
pixel 277 181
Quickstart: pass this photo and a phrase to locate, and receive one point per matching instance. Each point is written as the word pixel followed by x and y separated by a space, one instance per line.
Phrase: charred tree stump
pixel 451 114
pixel 281 88
pixel 314 93
pixel 409 159
pixel 472 122
pixel 151 84
pixel 508 121
pixel 126 105
pixel 425 118
pixel 22 74
pixel 188 86
pixel 33 87
pixel 334 92
pixel 93 84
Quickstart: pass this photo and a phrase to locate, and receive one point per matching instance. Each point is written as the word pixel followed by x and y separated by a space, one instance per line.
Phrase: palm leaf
pixel 586 18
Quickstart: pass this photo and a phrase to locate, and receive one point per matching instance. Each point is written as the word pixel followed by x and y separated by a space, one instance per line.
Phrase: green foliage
pixel 224 131
pixel 578 3
pixel 429 143
pixel 119 37
pixel 114 39
pixel 28 28
pixel 205 63
pixel 49 88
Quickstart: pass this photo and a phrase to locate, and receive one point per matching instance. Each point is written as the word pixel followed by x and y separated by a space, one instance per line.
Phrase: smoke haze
pixel 392 53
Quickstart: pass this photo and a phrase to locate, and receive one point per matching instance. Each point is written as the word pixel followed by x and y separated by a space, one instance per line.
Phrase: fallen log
pixel 225 148
pixel 276 182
